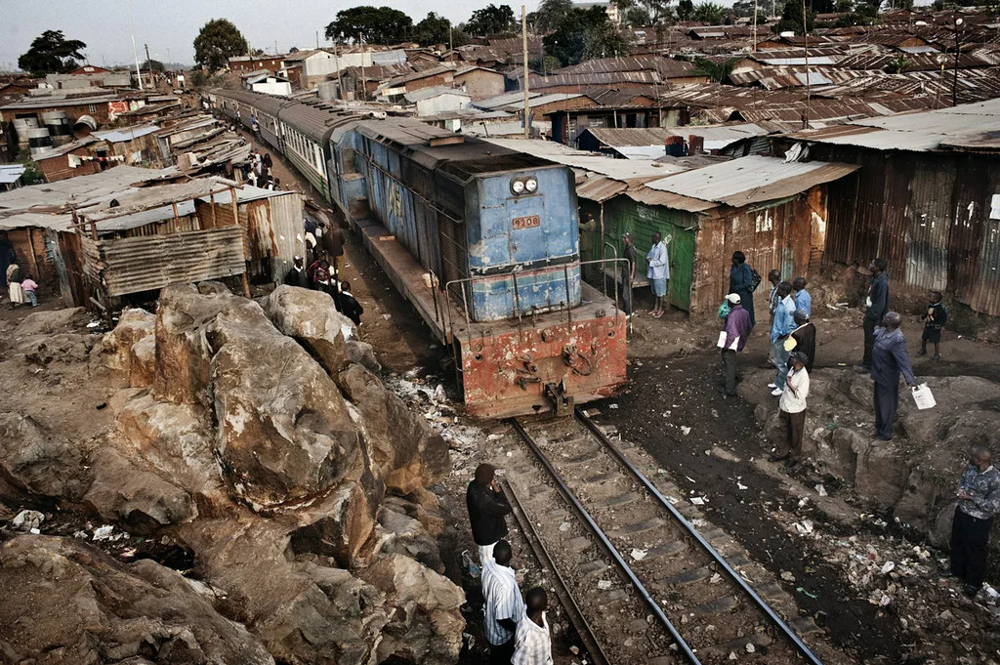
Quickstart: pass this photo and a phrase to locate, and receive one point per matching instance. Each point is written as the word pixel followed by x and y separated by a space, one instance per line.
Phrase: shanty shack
pixel 209 228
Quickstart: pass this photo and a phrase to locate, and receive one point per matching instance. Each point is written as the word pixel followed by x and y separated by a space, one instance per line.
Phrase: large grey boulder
pixel 36 464
pixel 284 429
pixel 312 320
pixel 407 452
pixel 67 603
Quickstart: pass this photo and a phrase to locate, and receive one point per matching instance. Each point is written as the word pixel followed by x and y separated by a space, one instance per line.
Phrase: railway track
pixel 643 584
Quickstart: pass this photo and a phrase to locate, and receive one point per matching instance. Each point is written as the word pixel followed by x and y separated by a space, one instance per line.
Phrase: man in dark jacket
pixel 741 282
pixel 736 332
pixel 803 338
pixel 978 501
pixel 487 508
pixel 876 307
pixel 348 304
pixel 889 360
pixel 297 275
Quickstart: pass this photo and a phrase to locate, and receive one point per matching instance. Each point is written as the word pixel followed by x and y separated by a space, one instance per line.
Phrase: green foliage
pixel 863 14
pixel 685 10
pixel 155 65
pixel 551 62
pixel 32 174
pixel 716 71
pixel 584 34
pixel 52 53
pixel 491 20
pixel 550 14
pixel 294 49
pixel 375 25
pixel 432 30
pixel 710 13
pixel 898 66
pixel 791 18
pixel 218 41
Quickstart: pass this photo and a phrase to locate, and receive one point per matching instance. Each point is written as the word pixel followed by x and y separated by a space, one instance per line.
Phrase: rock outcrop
pixel 65 602
pixel 234 441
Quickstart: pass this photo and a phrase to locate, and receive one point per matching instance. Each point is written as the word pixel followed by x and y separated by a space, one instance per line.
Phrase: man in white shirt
pixel 533 643
pixel 658 272
pixel 502 604
pixel 792 412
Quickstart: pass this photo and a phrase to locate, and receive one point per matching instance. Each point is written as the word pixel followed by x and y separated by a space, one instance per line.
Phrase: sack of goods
pixel 923 396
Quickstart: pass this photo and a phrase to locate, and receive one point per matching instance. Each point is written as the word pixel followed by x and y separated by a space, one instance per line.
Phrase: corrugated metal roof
pixel 126 133
pixel 632 136
pixel 11 172
pixel 505 99
pixel 597 188
pixel 434 91
pixel 655 197
pixel 77 191
pixel 623 170
pixel 967 126
pixel 751 179
pixel 37 220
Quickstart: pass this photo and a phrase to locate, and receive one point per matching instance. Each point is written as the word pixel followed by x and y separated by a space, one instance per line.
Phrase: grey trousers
pixel 732 371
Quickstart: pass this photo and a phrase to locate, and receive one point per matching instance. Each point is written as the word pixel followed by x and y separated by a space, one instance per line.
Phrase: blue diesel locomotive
pixel 482 240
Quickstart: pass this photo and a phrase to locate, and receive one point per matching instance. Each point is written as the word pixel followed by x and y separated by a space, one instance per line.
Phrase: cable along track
pixel 652 587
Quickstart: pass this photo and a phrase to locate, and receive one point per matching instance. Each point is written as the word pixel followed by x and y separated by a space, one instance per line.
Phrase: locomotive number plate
pixel 526 222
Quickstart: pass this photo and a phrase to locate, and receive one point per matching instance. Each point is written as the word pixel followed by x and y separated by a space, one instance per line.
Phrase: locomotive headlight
pixel 517 186
pixel 531 184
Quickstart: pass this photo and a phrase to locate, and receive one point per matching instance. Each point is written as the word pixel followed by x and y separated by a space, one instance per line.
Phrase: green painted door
pixel 681 250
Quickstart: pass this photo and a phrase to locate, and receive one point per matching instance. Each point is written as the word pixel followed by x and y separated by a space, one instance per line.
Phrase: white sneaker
pixel 772 385
pixel 776 392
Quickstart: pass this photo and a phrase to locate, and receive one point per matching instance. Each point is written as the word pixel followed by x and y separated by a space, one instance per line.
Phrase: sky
pixel 170 26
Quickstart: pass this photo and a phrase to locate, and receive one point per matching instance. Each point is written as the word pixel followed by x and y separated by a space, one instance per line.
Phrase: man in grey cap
pixel 734 338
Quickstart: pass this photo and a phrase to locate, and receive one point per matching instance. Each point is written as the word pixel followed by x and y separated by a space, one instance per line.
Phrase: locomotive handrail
pixel 446 317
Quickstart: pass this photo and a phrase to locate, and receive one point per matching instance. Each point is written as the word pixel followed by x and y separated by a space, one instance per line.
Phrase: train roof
pixel 459 155
pixel 267 103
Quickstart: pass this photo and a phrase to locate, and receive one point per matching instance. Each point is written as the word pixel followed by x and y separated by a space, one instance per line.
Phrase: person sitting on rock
pixel 502 604
pixel 487 509
pixel 349 305
pixel 978 501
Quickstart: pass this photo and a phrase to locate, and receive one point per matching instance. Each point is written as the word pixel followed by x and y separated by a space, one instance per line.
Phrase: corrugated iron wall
pixel 929 214
pixel 131 265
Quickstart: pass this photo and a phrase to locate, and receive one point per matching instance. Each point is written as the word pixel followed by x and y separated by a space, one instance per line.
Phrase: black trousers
pixel 885 398
pixel 501 655
pixel 732 371
pixel 790 429
pixel 969 540
pixel 869 326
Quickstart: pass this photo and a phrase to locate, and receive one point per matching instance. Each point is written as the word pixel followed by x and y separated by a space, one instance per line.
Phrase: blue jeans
pixel 781 359
pixel 32 298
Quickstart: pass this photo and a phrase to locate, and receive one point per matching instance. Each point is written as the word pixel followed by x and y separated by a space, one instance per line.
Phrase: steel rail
pixel 682 645
pixel 693 532
pixel 573 612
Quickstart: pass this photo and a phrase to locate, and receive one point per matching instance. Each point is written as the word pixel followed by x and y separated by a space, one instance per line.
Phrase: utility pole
pixel 149 66
pixel 340 80
pixel 805 35
pixel 135 51
pixel 524 43
pixel 958 50
pixel 753 46
pixel 364 90
pixel 317 40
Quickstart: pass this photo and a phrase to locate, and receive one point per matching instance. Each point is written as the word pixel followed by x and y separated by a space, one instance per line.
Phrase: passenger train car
pixel 482 240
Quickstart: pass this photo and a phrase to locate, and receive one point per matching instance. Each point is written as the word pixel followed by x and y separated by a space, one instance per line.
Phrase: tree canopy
pixel 154 65
pixel 52 53
pixel 791 18
pixel 491 20
pixel 550 13
pixel 716 71
pixel 583 34
pixel 218 41
pixel 375 25
pixel 438 30
pixel 710 13
pixel 685 10
pixel 646 12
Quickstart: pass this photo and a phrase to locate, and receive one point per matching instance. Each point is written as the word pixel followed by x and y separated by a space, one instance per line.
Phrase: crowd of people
pixel 325 247
pixel 259 172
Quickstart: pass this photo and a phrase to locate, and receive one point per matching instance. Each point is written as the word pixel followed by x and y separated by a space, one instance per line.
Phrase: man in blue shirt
pixel 889 360
pixel 658 273
pixel 784 324
pixel 802 298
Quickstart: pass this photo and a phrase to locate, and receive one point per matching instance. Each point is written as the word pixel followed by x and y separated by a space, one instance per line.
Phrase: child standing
pixel 29 286
pixel 935 318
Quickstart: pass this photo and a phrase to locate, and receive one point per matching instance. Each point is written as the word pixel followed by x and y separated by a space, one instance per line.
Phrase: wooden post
pixel 236 212
pixel 236 221
pixel 31 255
pixel 177 220
pixel 214 223
pixel 524 46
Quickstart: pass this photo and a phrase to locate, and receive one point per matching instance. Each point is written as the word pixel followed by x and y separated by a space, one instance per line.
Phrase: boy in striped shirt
pixel 502 604
pixel 533 642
